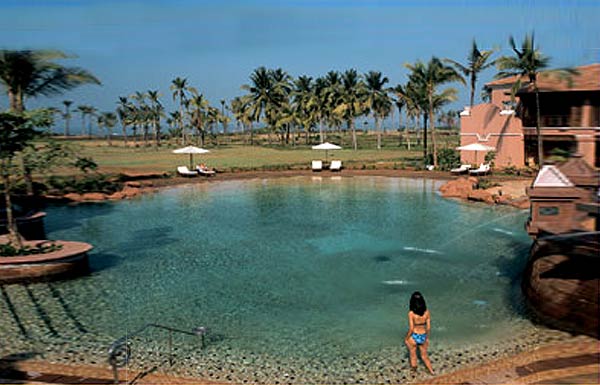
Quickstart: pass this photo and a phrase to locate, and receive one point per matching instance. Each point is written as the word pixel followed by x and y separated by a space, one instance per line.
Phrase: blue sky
pixel 141 45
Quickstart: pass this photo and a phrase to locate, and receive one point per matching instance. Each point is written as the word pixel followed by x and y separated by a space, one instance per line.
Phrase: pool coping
pixel 575 362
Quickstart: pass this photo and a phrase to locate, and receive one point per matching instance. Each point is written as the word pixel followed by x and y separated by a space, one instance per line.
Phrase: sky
pixel 140 45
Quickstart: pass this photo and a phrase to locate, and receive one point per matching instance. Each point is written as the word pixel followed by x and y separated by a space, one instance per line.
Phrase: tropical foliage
pixel 29 73
pixel 526 64
pixel 477 61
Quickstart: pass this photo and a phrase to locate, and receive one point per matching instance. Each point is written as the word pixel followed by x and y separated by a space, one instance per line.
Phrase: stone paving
pixel 564 363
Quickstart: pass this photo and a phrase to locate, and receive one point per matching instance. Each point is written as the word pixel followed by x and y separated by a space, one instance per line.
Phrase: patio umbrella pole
pixel 191 161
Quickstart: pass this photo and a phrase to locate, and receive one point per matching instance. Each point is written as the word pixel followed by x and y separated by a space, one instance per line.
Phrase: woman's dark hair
pixel 417 303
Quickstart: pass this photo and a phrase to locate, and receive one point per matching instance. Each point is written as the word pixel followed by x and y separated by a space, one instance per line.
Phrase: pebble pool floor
pixel 298 280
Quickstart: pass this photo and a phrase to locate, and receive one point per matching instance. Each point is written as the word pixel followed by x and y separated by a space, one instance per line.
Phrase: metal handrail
pixel 119 351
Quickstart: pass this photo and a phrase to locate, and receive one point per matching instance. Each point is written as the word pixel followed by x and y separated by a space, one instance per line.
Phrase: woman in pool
pixel 419 325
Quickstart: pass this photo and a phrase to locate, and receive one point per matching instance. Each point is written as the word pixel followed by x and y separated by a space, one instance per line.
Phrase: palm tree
pixel 331 96
pixel 156 112
pixel 304 111
pixel 414 99
pixel 281 83
pixel 67 115
pixel 180 89
pixel 258 97
pixel 141 114
pixel 223 121
pixel 91 112
pixel 107 120
pixel 240 111
pixel 400 101
pixel 318 104
pixel 29 73
pixel 82 109
pixel 377 100
pixel 477 61
pixel 527 63
pixel 351 102
pixel 198 115
pixel 124 114
pixel 428 77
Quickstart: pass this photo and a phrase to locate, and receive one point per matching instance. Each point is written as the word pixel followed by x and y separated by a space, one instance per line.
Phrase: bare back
pixel 420 323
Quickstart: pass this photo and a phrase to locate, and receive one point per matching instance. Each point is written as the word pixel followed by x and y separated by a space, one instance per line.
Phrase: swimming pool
pixel 295 278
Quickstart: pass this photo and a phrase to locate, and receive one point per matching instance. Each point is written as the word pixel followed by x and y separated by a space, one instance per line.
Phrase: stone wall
pixel 562 284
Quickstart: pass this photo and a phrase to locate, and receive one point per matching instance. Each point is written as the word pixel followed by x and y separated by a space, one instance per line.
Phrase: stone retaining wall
pixel 562 285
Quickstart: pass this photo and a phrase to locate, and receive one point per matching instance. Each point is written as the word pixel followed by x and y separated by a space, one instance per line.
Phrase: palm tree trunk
pixel 321 130
pixel 424 137
pixel 124 129
pixel 251 134
pixel 377 123
pixel 432 124
pixel 67 122
pixel 13 234
pixel 538 126
pixel 12 101
pixel 473 80
pixel 181 121
pixel 155 131
pixel 354 142
pixel 145 134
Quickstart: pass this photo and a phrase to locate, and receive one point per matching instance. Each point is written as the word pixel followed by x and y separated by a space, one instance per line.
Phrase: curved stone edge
pixel 70 261
pixel 562 303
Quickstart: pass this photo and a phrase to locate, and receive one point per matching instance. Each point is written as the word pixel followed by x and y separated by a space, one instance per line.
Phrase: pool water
pixel 302 271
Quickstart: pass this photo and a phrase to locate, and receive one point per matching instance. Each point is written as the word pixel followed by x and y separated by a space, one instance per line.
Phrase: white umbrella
pixel 326 146
pixel 190 150
pixel 475 147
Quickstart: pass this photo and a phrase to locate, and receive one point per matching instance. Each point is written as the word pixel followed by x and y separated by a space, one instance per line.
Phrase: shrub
pixel 485 184
pixel 490 157
pixel 8 250
pixel 447 158
pixel 89 183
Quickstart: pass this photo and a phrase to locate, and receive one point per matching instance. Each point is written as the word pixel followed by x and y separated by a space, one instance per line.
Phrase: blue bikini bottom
pixel 419 338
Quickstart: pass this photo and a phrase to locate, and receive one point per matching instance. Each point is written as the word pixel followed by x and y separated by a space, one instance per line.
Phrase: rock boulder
pixel 458 188
pixel 93 196
pixel 481 196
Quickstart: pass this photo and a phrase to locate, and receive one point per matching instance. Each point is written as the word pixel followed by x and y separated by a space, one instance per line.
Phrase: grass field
pixel 235 156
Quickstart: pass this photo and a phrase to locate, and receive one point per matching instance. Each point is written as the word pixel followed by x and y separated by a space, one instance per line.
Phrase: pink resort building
pixel 570 120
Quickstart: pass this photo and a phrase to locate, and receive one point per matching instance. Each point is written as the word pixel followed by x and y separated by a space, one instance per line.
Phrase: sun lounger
pixel 205 172
pixel 317 165
pixel 184 171
pixel 336 165
pixel 429 167
pixel 462 169
pixel 482 170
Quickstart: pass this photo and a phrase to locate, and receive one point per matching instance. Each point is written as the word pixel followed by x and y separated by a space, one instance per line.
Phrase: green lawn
pixel 232 155
pixel 121 159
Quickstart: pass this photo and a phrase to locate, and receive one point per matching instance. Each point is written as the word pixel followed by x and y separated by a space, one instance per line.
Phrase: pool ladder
pixel 119 352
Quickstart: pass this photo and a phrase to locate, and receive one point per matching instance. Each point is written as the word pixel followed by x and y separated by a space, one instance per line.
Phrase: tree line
pixel 285 106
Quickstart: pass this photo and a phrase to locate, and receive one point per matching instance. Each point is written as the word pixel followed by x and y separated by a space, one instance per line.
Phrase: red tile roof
pixel 588 79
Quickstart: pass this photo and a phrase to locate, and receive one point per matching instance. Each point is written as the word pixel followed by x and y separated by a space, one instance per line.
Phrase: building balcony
pixel 561 121
pixel 551 121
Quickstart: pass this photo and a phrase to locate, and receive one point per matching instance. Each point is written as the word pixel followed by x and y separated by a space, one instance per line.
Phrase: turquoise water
pixel 298 268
